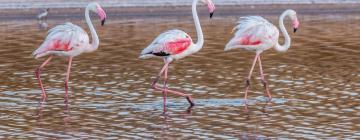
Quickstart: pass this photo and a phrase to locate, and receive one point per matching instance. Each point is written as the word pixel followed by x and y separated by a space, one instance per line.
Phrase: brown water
pixel 315 85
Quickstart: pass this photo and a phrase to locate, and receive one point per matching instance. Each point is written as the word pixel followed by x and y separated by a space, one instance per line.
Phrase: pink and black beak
pixel 296 24
pixel 211 7
pixel 211 14
pixel 102 15
pixel 103 22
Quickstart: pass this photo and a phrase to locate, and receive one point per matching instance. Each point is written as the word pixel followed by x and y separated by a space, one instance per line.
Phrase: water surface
pixel 315 85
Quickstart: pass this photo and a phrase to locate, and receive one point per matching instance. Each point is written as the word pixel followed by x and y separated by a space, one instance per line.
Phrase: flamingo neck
pixel 95 39
pixel 286 45
pixel 200 41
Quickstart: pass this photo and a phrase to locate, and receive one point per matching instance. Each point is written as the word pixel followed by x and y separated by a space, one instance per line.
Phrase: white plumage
pixel 253 33
pixel 160 43
pixel 66 39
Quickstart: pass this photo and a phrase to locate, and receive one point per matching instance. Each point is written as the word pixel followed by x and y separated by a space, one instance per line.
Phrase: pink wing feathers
pixel 171 42
pixel 62 38
pixel 252 31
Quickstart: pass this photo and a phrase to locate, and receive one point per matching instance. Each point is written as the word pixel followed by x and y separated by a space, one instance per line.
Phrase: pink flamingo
pixel 173 45
pixel 255 33
pixel 68 40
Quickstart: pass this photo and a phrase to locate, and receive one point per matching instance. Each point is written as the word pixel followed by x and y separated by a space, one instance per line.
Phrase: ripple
pixel 314 86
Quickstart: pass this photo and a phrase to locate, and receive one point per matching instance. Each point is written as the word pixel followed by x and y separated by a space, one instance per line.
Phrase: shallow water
pixel 315 85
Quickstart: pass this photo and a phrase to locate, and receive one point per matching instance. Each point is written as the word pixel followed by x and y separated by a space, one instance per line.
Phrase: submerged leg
pixel 248 78
pixel 188 97
pixel 263 80
pixel 67 79
pixel 37 74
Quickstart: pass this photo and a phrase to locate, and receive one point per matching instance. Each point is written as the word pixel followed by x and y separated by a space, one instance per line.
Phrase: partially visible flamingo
pixel 43 15
pixel 68 41
pixel 173 45
pixel 255 33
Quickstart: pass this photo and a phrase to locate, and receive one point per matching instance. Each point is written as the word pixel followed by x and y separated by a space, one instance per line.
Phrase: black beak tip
pixel 295 29
pixel 103 22
pixel 211 14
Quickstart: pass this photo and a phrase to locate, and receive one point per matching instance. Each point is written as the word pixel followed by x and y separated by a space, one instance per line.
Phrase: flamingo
pixel 255 33
pixel 68 40
pixel 43 15
pixel 173 45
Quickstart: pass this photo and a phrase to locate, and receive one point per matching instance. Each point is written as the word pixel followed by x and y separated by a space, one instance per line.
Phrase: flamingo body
pixel 172 43
pixel 66 40
pixel 254 33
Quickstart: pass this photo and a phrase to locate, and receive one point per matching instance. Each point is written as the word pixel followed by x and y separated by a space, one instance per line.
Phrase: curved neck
pixel 200 40
pixel 95 39
pixel 286 45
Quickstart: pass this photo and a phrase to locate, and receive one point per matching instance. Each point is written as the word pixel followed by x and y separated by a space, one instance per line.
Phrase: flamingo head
pixel 96 8
pixel 210 5
pixel 294 19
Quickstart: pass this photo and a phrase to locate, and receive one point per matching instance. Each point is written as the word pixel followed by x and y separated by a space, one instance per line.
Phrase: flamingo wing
pixel 63 38
pixel 252 31
pixel 168 43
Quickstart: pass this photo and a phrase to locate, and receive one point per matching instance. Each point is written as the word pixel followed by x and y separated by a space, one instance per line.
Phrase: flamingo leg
pixel 154 86
pixel 37 74
pixel 165 82
pixel 67 79
pixel 263 80
pixel 248 78
pixel 159 75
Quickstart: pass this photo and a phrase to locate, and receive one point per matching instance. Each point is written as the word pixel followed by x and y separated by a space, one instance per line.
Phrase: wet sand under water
pixel 315 84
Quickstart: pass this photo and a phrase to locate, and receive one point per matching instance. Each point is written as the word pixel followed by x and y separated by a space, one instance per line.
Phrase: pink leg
pixel 263 80
pixel 248 79
pixel 188 97
pixel 165 82
pixel 159 75
pixel 37 74
pixel 157 78
pixel 67 79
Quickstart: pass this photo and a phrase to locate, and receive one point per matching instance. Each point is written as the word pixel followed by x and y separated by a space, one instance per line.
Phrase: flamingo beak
pixel 102 15
pixel 211 7
pixel 296 24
